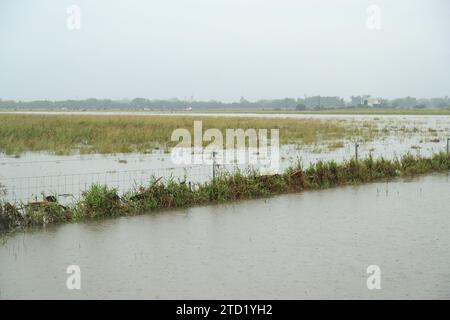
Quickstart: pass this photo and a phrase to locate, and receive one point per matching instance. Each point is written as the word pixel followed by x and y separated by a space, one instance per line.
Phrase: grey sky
pixel 223 49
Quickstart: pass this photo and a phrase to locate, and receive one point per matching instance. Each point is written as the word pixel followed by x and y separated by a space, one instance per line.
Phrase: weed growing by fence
pixel 101 201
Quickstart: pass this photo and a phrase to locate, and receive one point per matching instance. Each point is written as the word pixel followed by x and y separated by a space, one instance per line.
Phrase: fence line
pixel 69 186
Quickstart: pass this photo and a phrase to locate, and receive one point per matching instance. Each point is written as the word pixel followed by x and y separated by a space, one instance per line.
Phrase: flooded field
pixel 224 150
pixel 314 244
pixel 25 177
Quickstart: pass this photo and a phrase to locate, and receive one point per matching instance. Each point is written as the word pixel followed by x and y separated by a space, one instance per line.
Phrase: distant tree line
pixel 313 102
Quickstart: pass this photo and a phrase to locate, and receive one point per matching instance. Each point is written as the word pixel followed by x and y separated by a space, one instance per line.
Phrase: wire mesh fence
pixel 30 187
pixel 103 171
pixel 69 186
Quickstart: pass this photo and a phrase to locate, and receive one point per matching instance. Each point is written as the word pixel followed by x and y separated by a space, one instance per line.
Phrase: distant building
pixel 356 101
pixel 364 100
pixel 373 102
pixel 320 101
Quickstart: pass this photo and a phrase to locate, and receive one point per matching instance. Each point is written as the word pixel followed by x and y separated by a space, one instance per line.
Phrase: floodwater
pixel 314 244
pixel 32 174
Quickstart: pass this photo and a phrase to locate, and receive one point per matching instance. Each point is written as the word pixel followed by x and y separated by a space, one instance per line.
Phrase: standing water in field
pixel 27 177
pixel 310 245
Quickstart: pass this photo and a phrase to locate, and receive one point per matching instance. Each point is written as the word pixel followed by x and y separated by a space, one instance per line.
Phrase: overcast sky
pixel 223 49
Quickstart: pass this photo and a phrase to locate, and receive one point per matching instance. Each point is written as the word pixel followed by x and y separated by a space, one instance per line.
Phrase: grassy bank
pixel 65 134
pixel 100 201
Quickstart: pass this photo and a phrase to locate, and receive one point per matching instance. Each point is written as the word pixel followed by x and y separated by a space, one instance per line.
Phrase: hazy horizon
pixel 223 49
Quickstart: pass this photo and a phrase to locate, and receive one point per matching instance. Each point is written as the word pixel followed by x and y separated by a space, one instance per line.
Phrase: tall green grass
pixel 66 134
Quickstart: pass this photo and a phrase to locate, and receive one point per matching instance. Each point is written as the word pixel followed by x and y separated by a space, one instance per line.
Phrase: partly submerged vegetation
pixel 102 201
pixel 65 134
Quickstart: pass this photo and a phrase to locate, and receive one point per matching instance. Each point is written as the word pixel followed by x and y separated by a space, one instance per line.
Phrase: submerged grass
pixel 102 201
pixel 66 134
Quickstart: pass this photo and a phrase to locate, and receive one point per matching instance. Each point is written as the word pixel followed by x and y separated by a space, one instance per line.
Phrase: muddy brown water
pixel 309 245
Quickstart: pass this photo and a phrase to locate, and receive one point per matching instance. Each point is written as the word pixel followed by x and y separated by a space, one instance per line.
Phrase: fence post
pixel 356 150
pixel 214 165
pixel 448 146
